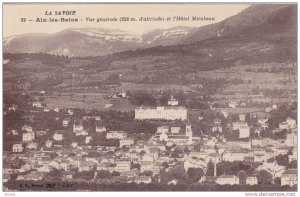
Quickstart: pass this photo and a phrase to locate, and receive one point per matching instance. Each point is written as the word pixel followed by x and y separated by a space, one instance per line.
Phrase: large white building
pixel 228 180
pixel 156 113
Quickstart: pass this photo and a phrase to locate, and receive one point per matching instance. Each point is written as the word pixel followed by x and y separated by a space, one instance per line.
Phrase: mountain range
pixel 270 21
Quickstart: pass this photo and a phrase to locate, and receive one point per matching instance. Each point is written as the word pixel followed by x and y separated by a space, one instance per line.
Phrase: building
pixel 27 128
pixel 172 101
pixel 243 128
pixel 291 123
pixel 121 94
pixel 217 129
pixel 147 162
pixel 126 142
pixel 194 163
pixel 58 136
pixel 227 180
pixel 48 143
pixel 176 137
pixel 37 104
pixel 30 177
pixel 31 146
pixel 108 105
pixel 238 125
pixel 289 177
pixel 244 132
pixel 164 113
pixel 273 168
pixel 78 128
pixel 175 130
pixel 236 155
pixel 85 166
pixel 70 112
pixel 122 165
pixel 242 117
pixel 28 137
pixel 232 104
pixel 88 139
pixel 65 122
pixel 12 108
pixel 251 180
pixel 116 135
pixel 283 125
pixel 142 179
pixel 17 148
pixel 291 140
pixel 100 128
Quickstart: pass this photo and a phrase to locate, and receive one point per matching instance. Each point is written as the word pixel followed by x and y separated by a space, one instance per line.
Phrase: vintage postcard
pixel 149 97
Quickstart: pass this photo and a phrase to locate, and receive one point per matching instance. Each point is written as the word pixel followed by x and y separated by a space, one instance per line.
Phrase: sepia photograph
pixel 157 97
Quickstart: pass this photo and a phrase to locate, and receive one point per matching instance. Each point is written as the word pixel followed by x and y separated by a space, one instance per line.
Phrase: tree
pixel 277 181
pixel 195 174
pixel 115 173
pixel 282 160
pixel 148 173
pixel 293 164
pixel 135 165
pixel 177 173
pixel 54 174
pixel 210 168
pixel 264 177
pixel 142 153
pixel 53 155
pixel 242 177
pixel 165 164
pixel 103 174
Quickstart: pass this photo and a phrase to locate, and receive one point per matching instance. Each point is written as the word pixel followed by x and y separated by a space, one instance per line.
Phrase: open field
pixel 87 101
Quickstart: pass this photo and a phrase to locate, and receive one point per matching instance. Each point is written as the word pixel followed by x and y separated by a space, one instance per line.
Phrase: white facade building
pixel 58 136
pixel 172 101
pixel 289 177
pixel 27 128
pixel 17 148
pixel 28 137
pixel 126 142
pixel 122 165
pixel 100 129
pixel 291 140
pixel 251 180
pixel 244 132
pixel 37 104
pixel 227 180
pixel 116 135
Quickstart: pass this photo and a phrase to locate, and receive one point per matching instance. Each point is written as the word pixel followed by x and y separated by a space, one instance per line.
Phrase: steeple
pixel 189 132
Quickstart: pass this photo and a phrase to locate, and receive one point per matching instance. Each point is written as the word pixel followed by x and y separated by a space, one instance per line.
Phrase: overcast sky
pixel 12 14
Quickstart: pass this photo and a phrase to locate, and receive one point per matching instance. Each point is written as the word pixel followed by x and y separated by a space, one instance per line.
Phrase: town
pixel 170 147
pixel 181 97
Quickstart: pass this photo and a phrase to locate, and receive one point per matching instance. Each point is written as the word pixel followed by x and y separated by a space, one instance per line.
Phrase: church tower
pixel 189 132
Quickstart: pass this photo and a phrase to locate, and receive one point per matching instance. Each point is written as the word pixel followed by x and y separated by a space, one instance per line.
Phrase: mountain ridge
pixel 81 42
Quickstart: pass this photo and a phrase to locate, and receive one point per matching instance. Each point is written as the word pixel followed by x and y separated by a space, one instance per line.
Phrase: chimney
pixel 215 168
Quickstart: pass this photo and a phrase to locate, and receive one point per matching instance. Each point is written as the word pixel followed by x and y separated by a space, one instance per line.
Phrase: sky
pixel 12 14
